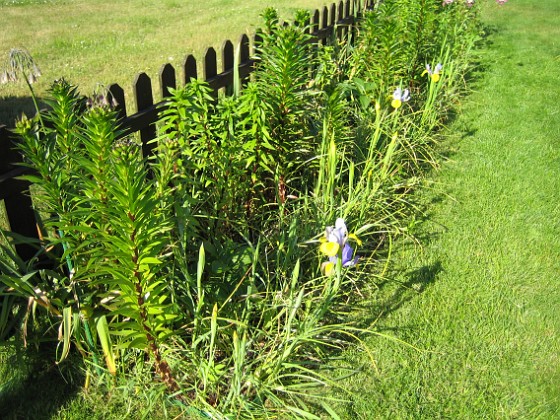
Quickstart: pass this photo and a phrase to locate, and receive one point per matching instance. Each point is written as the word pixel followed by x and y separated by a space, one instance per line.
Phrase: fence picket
pixel 228 52
pixel 116 96
pixel 189 69
pixel 210 70
pixel 245 62
pixel 145 104
pixel 340 30
pixel 227 56
pixel 323 32
pixel 315 21
pixel 167 79
pixel 15 193
pixel 210 64
pixel 257 39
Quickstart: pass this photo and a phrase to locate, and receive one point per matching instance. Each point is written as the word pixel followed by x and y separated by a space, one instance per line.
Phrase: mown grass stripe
pixel 481 297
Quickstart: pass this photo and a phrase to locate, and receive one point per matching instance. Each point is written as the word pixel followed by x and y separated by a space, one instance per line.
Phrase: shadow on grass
pixel 35 390
pixel 394 293
pixel 12 108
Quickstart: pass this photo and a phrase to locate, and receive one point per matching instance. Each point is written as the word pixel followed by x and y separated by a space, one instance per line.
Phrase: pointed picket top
pixel 116 97
pixel 210 64
pixel 144 103
pixel 167 79
pixel 315 21
pixel 228 52
pixel 189 69
pixel 143 91
pixel 244 48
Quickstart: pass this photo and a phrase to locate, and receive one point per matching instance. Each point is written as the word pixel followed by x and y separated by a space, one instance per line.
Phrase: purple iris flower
pixel 336 246
pixel 348 259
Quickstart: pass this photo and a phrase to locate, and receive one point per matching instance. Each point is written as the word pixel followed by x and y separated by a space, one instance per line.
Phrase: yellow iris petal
pixel 328 268
pixel 355 238
pixel 435 77
pixel 396 103
pixel 330 249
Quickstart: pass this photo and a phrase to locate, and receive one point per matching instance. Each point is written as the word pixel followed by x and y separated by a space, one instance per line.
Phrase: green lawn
pixel 479 300
pixel 111 41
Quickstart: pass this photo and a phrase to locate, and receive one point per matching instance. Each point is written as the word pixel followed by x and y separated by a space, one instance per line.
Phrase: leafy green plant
pixel 111 231
pixel 285 59
pixel 201 264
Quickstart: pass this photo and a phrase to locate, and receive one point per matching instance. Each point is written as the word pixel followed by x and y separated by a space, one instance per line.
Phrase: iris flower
pixel 399 96
pixel 446 2
pixel 335 245
pixel 435 74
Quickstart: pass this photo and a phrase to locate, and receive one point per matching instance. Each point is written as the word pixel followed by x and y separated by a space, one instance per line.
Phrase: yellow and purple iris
pixel 435 73
pixel 399 96
pixel 335 245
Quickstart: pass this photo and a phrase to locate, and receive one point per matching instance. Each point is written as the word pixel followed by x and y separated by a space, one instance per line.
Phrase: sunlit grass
pixel 104 42
pixel 479 300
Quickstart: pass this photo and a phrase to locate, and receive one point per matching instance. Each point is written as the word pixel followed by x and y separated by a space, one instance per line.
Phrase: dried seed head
pixel 101 98
pixel 20 64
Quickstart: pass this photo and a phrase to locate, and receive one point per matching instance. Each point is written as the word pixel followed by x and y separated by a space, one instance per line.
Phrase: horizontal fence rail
pixel 325 24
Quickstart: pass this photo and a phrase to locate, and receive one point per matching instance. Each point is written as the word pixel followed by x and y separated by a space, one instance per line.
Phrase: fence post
pixel 145 100
pixel 189 69
pixel 167 79
pixel 15 192
pixel 210 69
pixel 228 52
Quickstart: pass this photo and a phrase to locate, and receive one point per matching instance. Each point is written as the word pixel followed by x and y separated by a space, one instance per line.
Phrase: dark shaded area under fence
pixel 338 21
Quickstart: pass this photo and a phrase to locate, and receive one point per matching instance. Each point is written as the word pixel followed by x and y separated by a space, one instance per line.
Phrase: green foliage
pixel 282 75
pixel 203 257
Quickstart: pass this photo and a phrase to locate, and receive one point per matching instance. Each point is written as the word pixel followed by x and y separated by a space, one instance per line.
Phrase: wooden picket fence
pixel 338 21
